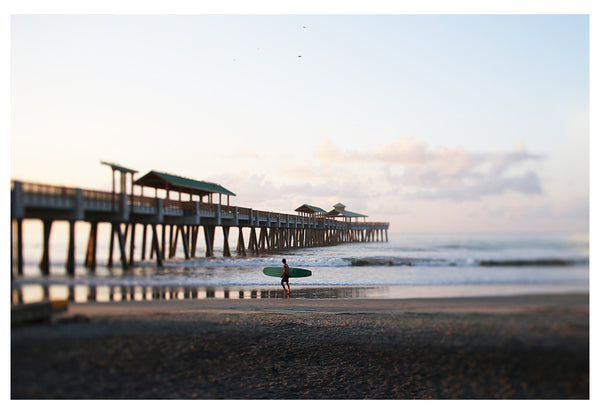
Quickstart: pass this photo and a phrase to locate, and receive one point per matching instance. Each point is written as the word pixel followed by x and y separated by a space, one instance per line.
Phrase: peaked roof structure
pixel 306 208
pixel 172 182
pixel 344 213
pixel 340 210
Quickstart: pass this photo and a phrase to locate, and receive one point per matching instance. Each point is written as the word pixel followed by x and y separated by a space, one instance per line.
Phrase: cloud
pixel 329 153
pixel 410 167
pixel 258 191
pixel 405 151
pixel 527 183
pixel 384 177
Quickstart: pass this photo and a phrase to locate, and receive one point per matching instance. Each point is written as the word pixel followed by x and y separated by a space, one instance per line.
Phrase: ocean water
pixel 408 265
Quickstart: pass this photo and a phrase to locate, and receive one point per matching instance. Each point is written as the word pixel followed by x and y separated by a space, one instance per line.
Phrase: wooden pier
pixel 164 222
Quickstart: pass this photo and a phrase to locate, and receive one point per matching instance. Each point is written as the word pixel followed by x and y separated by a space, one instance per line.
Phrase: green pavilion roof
pixel 306 208
pixel 340 210
pixel 345 213
pixel 172 182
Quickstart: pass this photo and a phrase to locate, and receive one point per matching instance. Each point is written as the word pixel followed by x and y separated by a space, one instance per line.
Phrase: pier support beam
pixel 185 240
pixel 90 258
pixel 173 240
pixel 155 247
pixel 263 240
pixel 164 241
pixel 71 249
pixel 131 244
pixel 143 254
pixel 121 238
pixel 273 238
pixel 45 262
pixel 241 248
pixel 19 246
pixel 226 252
pixel 209 237
pixel 253 243
pixel 194 241
pixel 111 246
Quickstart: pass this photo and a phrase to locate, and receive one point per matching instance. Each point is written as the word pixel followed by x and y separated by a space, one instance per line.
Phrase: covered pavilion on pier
pixel 307 210
pixel 339 210
pixel 182 185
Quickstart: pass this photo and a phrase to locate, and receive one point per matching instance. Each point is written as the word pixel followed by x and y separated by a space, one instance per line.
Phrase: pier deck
pixel 125 212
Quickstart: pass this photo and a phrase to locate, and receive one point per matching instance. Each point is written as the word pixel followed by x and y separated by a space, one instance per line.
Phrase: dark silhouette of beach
pixel 519 347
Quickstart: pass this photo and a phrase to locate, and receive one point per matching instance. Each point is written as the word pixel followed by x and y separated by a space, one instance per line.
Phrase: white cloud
pixel 416 186
pixel 527 183
pixel 410 167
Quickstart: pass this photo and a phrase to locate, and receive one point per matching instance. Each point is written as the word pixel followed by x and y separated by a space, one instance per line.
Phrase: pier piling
pixel 209 237
pixel 70 265
pixel 45 261
pixel 226 252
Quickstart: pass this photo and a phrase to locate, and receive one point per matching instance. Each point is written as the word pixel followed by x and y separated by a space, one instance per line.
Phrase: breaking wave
pixel 404 261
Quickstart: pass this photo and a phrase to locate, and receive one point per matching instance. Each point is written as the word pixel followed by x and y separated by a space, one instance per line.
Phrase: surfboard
pixel 294 271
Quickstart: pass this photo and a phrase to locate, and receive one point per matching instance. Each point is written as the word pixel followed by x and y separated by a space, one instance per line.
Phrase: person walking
pixel 285 277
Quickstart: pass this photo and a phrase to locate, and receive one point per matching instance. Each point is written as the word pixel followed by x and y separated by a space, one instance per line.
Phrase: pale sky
pixel 436 123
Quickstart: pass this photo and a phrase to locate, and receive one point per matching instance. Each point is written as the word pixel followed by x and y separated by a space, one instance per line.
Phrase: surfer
pixel 285 277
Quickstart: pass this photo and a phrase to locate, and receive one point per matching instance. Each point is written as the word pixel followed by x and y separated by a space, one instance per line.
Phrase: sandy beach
pixel 509 347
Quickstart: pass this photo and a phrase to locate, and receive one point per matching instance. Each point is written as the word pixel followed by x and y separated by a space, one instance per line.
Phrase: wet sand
pixel 510 347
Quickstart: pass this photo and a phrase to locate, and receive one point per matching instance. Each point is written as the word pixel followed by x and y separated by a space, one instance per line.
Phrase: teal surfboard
pixel 294 271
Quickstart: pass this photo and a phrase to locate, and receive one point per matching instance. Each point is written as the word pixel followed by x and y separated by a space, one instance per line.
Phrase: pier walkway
pixel 180 219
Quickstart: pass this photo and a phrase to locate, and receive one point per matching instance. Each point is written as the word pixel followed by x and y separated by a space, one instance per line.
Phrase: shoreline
pixel 507 347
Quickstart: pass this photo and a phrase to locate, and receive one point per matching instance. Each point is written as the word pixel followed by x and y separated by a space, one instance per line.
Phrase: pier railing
pixel 44 201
